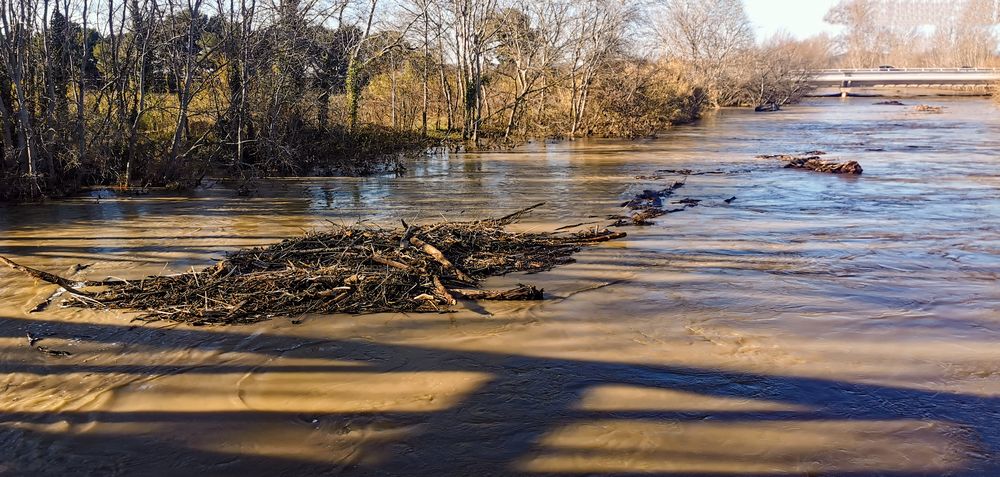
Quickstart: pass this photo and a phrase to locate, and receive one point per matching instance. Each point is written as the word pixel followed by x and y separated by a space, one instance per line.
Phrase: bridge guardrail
pixel 905 70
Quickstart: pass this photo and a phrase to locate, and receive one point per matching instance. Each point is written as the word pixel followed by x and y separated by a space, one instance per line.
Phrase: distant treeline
pixel 915 33
pixel 139 93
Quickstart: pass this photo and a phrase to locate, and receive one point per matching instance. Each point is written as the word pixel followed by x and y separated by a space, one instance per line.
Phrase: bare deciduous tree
pixel 712 36
pixel 916 33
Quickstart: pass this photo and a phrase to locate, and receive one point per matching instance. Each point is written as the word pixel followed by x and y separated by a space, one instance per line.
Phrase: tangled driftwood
pixel 815 164
pixel 350 269
pixel 811 161
pixel 646 206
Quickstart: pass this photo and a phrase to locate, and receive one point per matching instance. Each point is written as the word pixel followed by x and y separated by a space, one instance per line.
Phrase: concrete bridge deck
pixel 849 81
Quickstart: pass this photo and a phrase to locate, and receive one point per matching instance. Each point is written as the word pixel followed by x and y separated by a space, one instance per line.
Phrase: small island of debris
pixel 349 269
pixel 811 161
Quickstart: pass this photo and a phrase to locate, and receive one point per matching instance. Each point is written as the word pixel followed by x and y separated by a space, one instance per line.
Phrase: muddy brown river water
pixel 817 325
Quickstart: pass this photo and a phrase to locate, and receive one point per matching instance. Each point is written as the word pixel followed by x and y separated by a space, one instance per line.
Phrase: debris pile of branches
pixel 815 164
pixel 646 206
pixel 811 161
pixel 924 108
pixel 349 269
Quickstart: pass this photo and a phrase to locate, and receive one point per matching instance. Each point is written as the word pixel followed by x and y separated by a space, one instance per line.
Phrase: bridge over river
pixel 878 80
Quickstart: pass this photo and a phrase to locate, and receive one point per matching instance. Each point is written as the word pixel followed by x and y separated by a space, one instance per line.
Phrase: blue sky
pixel 801 18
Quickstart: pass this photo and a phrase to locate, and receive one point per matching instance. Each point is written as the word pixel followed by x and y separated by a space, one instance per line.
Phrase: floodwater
pixel 818 324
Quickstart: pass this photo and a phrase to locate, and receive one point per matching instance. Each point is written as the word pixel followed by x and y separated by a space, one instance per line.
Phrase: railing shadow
pixel 493 429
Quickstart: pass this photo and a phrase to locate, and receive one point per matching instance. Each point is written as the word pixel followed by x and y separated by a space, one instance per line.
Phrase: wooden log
pixel 567 227
pixel 597 238
pixel 440 258
pixel 443 292
pixel 68 285
pixel 391 263
pixel 521 293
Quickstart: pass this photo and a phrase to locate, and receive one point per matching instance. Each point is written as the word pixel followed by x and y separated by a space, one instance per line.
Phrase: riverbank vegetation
pixel 146 93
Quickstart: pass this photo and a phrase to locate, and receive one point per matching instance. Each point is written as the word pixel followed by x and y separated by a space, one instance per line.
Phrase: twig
pixel 46 277
pixel 511 218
